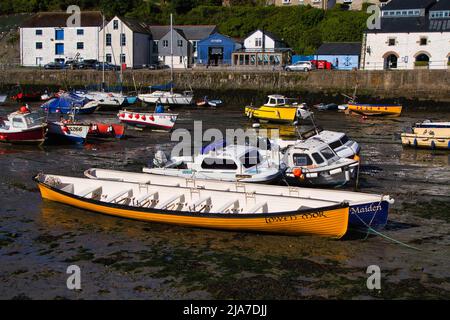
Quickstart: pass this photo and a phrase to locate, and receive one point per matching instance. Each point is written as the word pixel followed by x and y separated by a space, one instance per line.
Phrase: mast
pixel 121 55
pixel 104 53
pixel 171 53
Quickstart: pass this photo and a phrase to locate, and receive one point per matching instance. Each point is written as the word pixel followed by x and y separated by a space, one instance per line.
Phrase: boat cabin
pixel 276 100
pixel 234 158
pixel 22 120
pixel 310 154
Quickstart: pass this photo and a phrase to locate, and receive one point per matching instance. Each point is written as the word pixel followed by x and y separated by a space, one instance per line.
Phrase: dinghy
pixel 105 130
pixel 428 135
pixel 231 163
pixel 365 209
pixel 23 127
pixel 196 207
pixel 313 162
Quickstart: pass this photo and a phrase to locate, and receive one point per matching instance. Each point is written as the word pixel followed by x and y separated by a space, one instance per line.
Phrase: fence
pixel 433 65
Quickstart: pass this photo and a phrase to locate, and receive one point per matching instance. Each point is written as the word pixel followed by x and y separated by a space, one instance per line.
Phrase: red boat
pixel 23 127
pixel 103 130
pixel 27 97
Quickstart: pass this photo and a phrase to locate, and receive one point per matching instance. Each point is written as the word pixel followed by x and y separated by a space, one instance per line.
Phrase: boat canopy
pixel 65 101
pixel 166 86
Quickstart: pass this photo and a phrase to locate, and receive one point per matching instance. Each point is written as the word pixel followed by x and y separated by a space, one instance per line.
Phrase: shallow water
pixel 123 259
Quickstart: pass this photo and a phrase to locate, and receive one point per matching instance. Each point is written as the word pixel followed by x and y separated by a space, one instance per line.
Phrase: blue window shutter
pixel 59 34
pixel 59 48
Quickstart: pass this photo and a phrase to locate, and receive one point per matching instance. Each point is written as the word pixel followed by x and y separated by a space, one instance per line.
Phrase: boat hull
pixel 373 215
pixel 155 121
pixel 29 136
pixel 376 110
pixel 425 141
pixel 166 98
pixel 75 134
pixel 326 222
pixel 277 114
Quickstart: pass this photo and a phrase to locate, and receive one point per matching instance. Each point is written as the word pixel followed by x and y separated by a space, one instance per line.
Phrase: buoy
pixel 137 115
pixel 24 109
pixel 256 125
pixel 297 172
pixel 144 118
pixel 122 115
pixel 65 129
pixel 152 118
pixel 356 158
pixel 130 116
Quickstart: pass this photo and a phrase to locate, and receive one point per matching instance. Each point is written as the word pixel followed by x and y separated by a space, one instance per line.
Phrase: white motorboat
pixel 313 162
pixel 105 99
pixel 167 97
pixel 338 141
pixel 231 163
pixel 365 209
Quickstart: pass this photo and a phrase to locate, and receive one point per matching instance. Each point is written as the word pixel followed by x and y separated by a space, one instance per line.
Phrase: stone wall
pixel 409 84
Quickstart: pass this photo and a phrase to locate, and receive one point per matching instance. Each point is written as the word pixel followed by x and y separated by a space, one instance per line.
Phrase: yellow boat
pixel 277 109
pixel 375 109
pixel 197 207
pixel 429 135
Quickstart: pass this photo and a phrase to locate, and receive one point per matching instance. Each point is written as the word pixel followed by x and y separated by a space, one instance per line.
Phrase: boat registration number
pixel 76 129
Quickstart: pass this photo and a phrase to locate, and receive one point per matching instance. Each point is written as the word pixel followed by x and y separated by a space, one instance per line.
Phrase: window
pixel 108 58
pixel 38 45
pixel 335 144
pixel 123 58
pixel 59 34
pixel 59 48
pixel 302 159
pixel 258 42
pixel 115 24
pixel 80 32
pixel 344 139
pixel 194 46
pixel 38 32
pixel 123 39
pixel 80 45
pixel 180 43
pixel 327 153
pixel 108 39
pixel 251 159
pixel 155 46
pixel 391 42
pixel 219 164
pixel 423 41
pixel 165 43
pixel 18 123
pixel 318 158
pixel 181 59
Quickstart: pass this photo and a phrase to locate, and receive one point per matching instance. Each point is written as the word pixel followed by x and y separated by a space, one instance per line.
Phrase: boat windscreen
pixel 327 153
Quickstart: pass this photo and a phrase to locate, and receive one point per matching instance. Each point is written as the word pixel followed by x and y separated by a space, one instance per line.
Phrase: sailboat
pixel 104 98
pixel 164 94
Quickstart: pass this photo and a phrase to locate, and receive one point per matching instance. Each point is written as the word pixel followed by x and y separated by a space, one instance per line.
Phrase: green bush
pixel 421 63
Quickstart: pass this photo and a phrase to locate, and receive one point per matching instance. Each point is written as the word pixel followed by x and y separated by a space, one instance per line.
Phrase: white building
pixel 45 37
pixel 126 41
pixel 263 41
pixel 413 34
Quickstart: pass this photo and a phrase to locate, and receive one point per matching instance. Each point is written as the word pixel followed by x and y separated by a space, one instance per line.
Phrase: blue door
pixel 59 34
pixel 59 48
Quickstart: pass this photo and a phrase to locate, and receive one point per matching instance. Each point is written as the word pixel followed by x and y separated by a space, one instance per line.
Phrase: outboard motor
pixel 160 159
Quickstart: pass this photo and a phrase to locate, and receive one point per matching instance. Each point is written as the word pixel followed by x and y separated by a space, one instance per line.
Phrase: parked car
pixel 87 64
pixel 108 66
pixel 55 66
pixel 158 66
pixel 301 66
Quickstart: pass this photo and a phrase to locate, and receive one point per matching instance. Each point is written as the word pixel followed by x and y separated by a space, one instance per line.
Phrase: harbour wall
pixel 431 85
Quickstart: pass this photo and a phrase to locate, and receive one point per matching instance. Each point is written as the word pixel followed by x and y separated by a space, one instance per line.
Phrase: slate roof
pixel 412 24
pixel 441 5
pixel 136 26
pixel 339 48
pixel 190 32
pixel 59 20
pixel 408 4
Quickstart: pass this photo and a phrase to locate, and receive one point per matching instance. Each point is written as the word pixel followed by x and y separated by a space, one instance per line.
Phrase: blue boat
pixel 70 103
pixel 131 100
pixel 372 214
pixel 71 133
